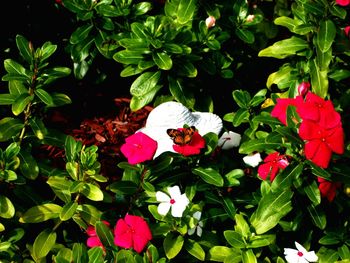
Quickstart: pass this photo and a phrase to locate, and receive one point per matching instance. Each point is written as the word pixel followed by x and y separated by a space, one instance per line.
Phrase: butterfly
pixel 182 137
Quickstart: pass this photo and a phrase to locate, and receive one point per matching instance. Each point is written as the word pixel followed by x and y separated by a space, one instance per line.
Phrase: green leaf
pixel 242 98
pixel 319 79
pixel 92 192
pixel 248 256
pixel 241 226
pixel 41 213
pixel 123 187
pixel 240 116
pixel 258 145
pixel 105 234
pixel 209 175
pixel 47 50
pixel 80 254
pixel 128 56
pixel 172 245
pixel 68 210
pixel 195 249
pixel 28 165
pixel 272 207
pixel 287 22
pixel 142 8
pixel 229 207
pixel 137 103
pixel 219 253
pixel 9 127
pixel 285 178
pixel 234 238
pixel 21 103
pixel 279 76
pixel 38 127
pixel 13 67
pixel 43 243
pixel 25 48
pixel 313 193
pixel 186 9
pixel 7 210
pixel 7 99
pixel 317 215
pixel 318 171
pixel 80 34
pixel 162 60
pixel 145 83
pixel 325 35
pixel 95 255
pixel 284 48
pixel 245 35
pixel 344 252
pixel 17 88
pixel 89 213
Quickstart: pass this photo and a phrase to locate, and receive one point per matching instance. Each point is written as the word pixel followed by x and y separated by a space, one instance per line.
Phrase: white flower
pixel 174 115
pixel 210 21
pixel 252 160
pixel 197 215
pixel 299 255
pixel 229 140
pixel 250 18
pixel 176 201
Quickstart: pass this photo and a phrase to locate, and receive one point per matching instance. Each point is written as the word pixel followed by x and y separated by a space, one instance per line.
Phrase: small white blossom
pixel 197 215
pixel 250 18
pixel 229 140
pixel 252 160
pixel 299 255
pixel 210 21
pixel 177 202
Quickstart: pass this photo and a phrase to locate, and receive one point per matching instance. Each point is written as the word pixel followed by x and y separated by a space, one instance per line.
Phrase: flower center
pixel 138 146
pixel 131 230
pixel 172 201
pixel 300 254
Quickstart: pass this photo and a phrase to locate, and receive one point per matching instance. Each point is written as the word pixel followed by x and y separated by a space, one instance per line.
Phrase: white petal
pixel 300 248
pixel 290 251
pixel 207 122
pixel 191 231
pixel 174 192
pixel 311 256
pixel 229 140
pixel 163 208
pixel 199 231
pixel 197 215
pixel 177 209
pixel 252 160
pixel 162 197
pixel 292 258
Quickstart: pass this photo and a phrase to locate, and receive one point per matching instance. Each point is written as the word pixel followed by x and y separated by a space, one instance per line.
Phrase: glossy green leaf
pixel 195 249
pixel 319 79
pixel 272 207
pixel 241 226
pixel 317 215
pixel 313 193
pixel 326 35
pixel 229 207
pixel 162 60
pixel 209 175
pixel 105 234
pixel 47 50
pixel 284 48
pixel 80 254
pixel 41 213
pixel 142 8
pixel 259 145
pixel 344 252
pixel 186 9
pixel 245 35
pixel 89 213
pixel 43 243
pixel 93 192
pixel 240 116
pixel 21 103
pixel 242 98
pixel 17 88
pixel 219 253
pixel 123 187
pixel 7 99
pixel 172 245
pixel 38 127
pixel 14 67
pixel 28 165
pixel 279 76
pixel 234 238
pixel 145 83
pixel 95 255
pixel 9 127
pixel 25 48
pixel 248 256
pixel 137 103
pixel 68 210
pixel 285 178
pixel 181 93
pixel 287 22
pixel 7 210
pixel 80 33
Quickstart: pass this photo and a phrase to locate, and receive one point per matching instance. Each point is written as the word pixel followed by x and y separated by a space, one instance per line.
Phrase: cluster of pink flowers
pixel 130 232
pixel 320 128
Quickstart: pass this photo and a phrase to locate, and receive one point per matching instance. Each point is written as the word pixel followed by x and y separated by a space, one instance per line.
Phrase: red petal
pixel 336 140
pixel 271 157
pixel 264 170
pixel 93 242
pixel 309 130
pixel 274 172
pixel 329 118
pixel 318 152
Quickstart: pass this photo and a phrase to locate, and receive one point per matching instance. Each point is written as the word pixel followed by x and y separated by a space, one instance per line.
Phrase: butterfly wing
pixel 181 137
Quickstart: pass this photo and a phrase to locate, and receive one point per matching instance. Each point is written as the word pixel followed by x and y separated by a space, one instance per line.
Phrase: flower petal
pixel 163 208
pixel 174 192
pixel 162 197
pixel 229 140
pixel 122 237
pixel 311 256
pixel 252 160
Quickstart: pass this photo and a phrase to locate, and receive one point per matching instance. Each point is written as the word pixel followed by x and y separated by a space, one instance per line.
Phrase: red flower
pixel 303 88
pixel 132 232
pixel 343 2
pixel 273 163
pixel 321 142
pixel 139 148
pixel 280 109
pixel 193 147
pixel 94 240
pixel 319 110
pixel 328 189
pixel 347 30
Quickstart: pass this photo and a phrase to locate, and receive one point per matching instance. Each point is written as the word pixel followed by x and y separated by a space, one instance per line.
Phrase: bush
pixel 232 147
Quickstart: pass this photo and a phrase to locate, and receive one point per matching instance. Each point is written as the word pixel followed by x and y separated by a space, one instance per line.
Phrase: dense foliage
pixel 272 174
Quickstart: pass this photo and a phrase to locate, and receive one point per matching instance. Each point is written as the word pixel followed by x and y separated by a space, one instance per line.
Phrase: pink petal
pixel 122 235
pixel 271 157
pixel 264 170
pixel 93 242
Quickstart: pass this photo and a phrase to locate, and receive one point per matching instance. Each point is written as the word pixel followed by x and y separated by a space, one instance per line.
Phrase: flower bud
pixel 250 18
pixel 210 21
pixel 303 88
pixel 347 30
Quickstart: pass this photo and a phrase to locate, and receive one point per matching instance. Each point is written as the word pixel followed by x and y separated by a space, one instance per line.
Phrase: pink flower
pixel 347 30
pixel 319 110
pixel 272 165
pixel 280 109
pixel 343 2
pixel 132 232
pixel 94 240
pixel 193 147
pixel 328 189
pixel 210 21
pixel 139 148
pixel 321 142
pixel 303 88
